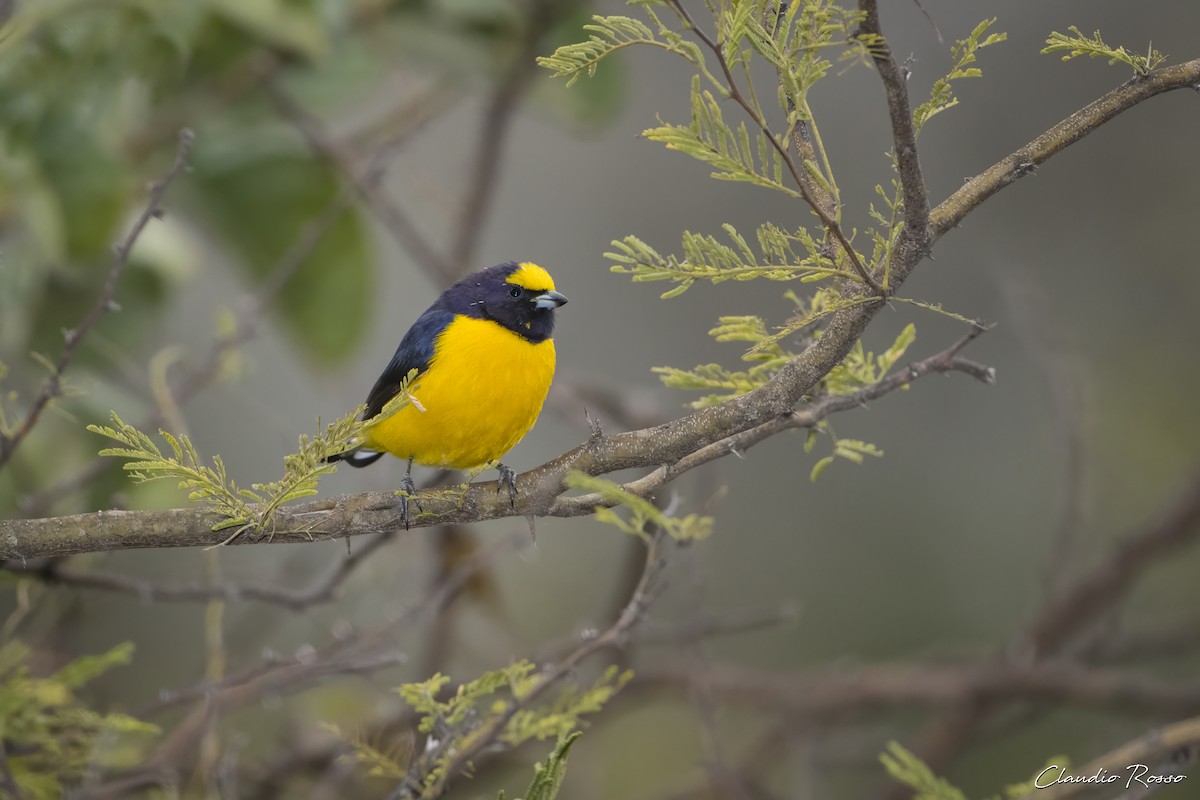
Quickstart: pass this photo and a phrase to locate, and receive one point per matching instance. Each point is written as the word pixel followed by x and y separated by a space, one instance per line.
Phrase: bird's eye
pixel 514 292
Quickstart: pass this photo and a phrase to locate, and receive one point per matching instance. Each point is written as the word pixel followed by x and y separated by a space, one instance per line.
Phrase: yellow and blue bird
pixel 484 358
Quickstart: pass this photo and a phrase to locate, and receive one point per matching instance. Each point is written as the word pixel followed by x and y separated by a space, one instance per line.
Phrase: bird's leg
pixel 508 478
pixel 408 490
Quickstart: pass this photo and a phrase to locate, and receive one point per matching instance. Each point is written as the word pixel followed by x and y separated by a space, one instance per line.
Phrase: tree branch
pixel 671 449
pixel 904 134
pixel 52 387
pixel 825 695
pixel 366 184
pixel 827 221
pixel 321 591
pixel 1168 745
pixel 467 749
pixel 1026 160
pixel 1067 614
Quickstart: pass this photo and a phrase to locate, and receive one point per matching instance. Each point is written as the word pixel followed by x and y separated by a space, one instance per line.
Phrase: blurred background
pixel 272 294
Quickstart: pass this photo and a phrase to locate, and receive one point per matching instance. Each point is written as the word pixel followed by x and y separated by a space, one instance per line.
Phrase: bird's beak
pixel 548 300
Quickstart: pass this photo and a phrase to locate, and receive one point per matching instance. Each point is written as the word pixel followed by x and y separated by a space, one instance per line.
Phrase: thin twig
pixel 736 95
pixel 246 327
pixel 52 387
pixel 466 751
pixel 1168 748
pixel 322 591
pixel 367 185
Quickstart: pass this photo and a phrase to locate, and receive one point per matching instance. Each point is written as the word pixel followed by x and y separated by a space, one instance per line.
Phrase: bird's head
pixel 518 295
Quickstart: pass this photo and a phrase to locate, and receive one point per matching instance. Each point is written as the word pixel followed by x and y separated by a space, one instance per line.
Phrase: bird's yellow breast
pixel 482 392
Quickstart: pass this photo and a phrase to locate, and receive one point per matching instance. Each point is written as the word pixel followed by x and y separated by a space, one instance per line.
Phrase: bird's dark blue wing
pixel 414 352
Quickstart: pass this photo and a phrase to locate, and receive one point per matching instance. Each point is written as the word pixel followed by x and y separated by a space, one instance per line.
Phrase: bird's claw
pixel 508 478
pixel 408 491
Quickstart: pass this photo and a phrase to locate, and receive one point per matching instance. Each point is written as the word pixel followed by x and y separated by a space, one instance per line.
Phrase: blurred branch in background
pixel 1070 615
pixel 258 70
pixel 52 387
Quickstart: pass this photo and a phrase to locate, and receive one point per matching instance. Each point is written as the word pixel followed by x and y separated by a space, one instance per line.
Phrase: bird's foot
pixel 408 492
pixel 508 478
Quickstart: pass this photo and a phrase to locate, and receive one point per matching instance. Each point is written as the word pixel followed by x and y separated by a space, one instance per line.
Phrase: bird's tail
pixel 356 457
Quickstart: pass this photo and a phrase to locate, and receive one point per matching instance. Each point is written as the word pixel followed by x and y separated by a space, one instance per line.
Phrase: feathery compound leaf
pixel 963 52
pixel 303 468
pixel 783 256
pixel 731 154
pixel 643 513
pixel 254 507
pixel 909 770
pixel 87 668
pixel 1076 44
pixel 53 740
pixel 378 762
pixel 548 777
pixel 499 698
pixel 853 450
pixel 608 34
pixel 209 486
pixel 860 368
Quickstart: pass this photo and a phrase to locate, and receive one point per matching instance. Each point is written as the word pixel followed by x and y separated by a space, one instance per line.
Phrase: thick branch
pixel 1025 161
pixel 672 449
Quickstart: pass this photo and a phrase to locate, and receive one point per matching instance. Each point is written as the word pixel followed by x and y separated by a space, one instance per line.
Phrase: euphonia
pixel 484 361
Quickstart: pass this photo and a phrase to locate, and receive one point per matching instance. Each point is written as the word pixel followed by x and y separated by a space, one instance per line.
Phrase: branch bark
pixel 671 449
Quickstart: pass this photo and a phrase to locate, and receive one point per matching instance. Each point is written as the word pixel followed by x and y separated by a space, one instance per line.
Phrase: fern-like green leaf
pixel 209 486
pixel 610 34
pixel 733 153
pixel 782 256
pixel 548 777
pixel 1075 44
pixel 964 54
pixel 909 770
pixel 643 514
pixel 861 368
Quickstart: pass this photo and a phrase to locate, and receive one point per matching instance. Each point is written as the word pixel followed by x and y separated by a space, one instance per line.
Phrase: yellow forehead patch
pixel 532 277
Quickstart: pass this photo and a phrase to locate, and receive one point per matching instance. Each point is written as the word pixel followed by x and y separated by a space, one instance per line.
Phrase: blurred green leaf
pixel 294 28
pixel 92 183
pixel 261 200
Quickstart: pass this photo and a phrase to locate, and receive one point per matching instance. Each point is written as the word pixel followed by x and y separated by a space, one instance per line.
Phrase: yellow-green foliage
pixel 254 507
pixel 52 738
pixel 1075 44
pixel 212 486
pixel 941 97
pixel 861 368
pixel 909 770
pixel 643 515
pixel 906 768
pixel 390 763
pixel 457 721
pixel 707 258
pixel 548 777
pixel 734 153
